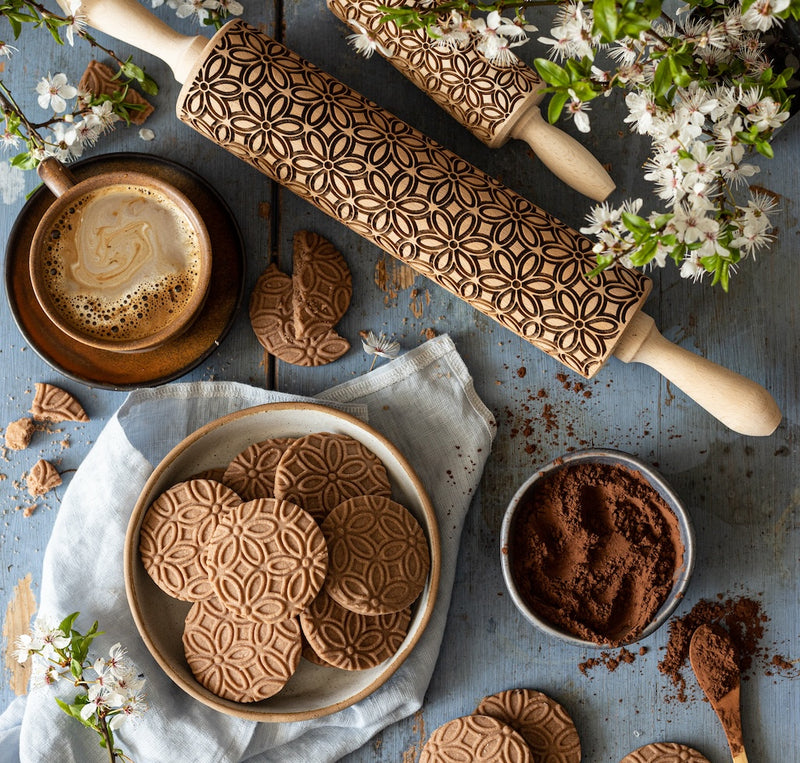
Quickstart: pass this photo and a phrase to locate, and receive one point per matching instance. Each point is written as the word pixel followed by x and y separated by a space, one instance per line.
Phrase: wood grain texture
pixel 17 621
pixel 743 493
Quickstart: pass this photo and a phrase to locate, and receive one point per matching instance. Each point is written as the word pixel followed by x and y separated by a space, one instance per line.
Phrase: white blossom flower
pixel 77 20
pixel 6 50
pixel 196 8
pixel 365 41
pixel 602 217
pixel 642 110
pixel 104 112
pixel 146 134
pixel 88 130
pixel 692 268
pixel 232 7
pixel 100 699
pixel 54 92
pixel 496 37
pixel 48 637
pixel 577 109
pixel 762 14
pixel 455 34
pixel 379 346
pixel 24 645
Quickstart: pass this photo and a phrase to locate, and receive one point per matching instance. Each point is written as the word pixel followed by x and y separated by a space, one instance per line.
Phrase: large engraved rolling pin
pixel 494 103
pixel 423 204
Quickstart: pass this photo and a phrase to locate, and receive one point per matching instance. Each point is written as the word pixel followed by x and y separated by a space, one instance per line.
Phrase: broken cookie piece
pixel 99 79
pixel 19 434
pixel 52 403
pixel 42 478
pixel 293 317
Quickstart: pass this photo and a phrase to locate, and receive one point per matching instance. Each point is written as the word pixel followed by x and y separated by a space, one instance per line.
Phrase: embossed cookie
pixel 321 470
pixel 475 738
pixel 252 473
pixel 51 403
pixel 266 560
pixel 349 640
pixel 322 284
pixel 272 319
pixel 239 659
pixel 664 752
pixel 378 558
pixel 539 720
pixel 175 530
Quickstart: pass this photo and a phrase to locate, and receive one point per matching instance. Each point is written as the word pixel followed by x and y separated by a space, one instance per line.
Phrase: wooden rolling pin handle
pixel 738 402
pixel 740 757
pixel 564 156
pixel 132 23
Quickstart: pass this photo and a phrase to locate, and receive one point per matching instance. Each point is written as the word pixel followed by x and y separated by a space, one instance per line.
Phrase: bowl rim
pixel 249 711
pixel 608 456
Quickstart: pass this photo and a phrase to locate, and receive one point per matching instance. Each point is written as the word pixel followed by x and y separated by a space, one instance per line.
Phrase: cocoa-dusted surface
pixel 594 551
pixel 741 616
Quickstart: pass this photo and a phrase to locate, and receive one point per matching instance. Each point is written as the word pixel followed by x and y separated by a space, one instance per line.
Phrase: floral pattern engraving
pixel 542 723
pixel 475 738
pixel 481 96
pixel 414 199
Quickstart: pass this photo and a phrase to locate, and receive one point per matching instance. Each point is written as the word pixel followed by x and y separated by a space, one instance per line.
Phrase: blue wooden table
pixel 743 493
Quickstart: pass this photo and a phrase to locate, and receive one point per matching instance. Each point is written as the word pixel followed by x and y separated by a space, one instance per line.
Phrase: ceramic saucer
pixel 113 370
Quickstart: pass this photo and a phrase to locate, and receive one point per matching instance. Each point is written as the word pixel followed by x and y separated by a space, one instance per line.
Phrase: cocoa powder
pixel 743 619
pixel 594 551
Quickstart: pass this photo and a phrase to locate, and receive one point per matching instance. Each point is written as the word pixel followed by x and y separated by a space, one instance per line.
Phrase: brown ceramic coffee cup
pixel 120 261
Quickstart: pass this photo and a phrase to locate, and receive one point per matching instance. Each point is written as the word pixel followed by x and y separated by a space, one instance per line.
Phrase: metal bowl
pixel 656 481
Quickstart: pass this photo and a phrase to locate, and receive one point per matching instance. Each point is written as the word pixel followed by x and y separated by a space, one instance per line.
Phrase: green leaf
pixel 148 84
pixel 556 105
pixel 644 253
pixel 552 73
pixel 634 223
pixel 662 82
pixel 765 149
pixel 606 19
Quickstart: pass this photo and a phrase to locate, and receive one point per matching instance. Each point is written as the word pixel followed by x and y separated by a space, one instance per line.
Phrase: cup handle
pixel 56 176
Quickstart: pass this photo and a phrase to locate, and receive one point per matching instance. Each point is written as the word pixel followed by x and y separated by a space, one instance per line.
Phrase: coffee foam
pixel 122 263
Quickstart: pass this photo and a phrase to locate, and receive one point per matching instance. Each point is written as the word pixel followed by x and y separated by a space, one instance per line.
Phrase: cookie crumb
pixel 19 434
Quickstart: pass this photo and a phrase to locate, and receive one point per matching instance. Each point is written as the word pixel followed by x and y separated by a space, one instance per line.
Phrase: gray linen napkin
pixel 424 402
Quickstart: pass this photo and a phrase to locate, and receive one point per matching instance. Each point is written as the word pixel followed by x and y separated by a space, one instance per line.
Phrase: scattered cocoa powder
pixel 609 660
pixel 594 550
pixel 742 618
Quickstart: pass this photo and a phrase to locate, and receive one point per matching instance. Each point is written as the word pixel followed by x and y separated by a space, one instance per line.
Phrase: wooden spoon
pixel 713 658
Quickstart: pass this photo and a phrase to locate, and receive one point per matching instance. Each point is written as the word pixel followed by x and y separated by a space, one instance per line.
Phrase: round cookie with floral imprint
pixel 267 560
pixel 540 721
pixel 664 752
pixel 321 470
pixel 351 641
pixel 252 472
pixel 476 738
pixel 239 659
pixel 378 557
pixel 175 530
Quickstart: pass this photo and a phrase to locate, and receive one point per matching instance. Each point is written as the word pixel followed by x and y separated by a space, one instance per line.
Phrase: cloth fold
pixel 424 402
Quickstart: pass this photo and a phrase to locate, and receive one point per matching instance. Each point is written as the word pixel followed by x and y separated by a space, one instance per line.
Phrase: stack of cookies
pixel 295 548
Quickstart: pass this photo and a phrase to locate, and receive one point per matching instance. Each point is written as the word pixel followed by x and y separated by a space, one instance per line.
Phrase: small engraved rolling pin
pixel 493 102
pixel 423 204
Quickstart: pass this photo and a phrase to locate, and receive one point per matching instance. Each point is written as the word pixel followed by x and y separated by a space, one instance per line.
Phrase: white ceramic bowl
pixel 313 691
pixel 656 481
